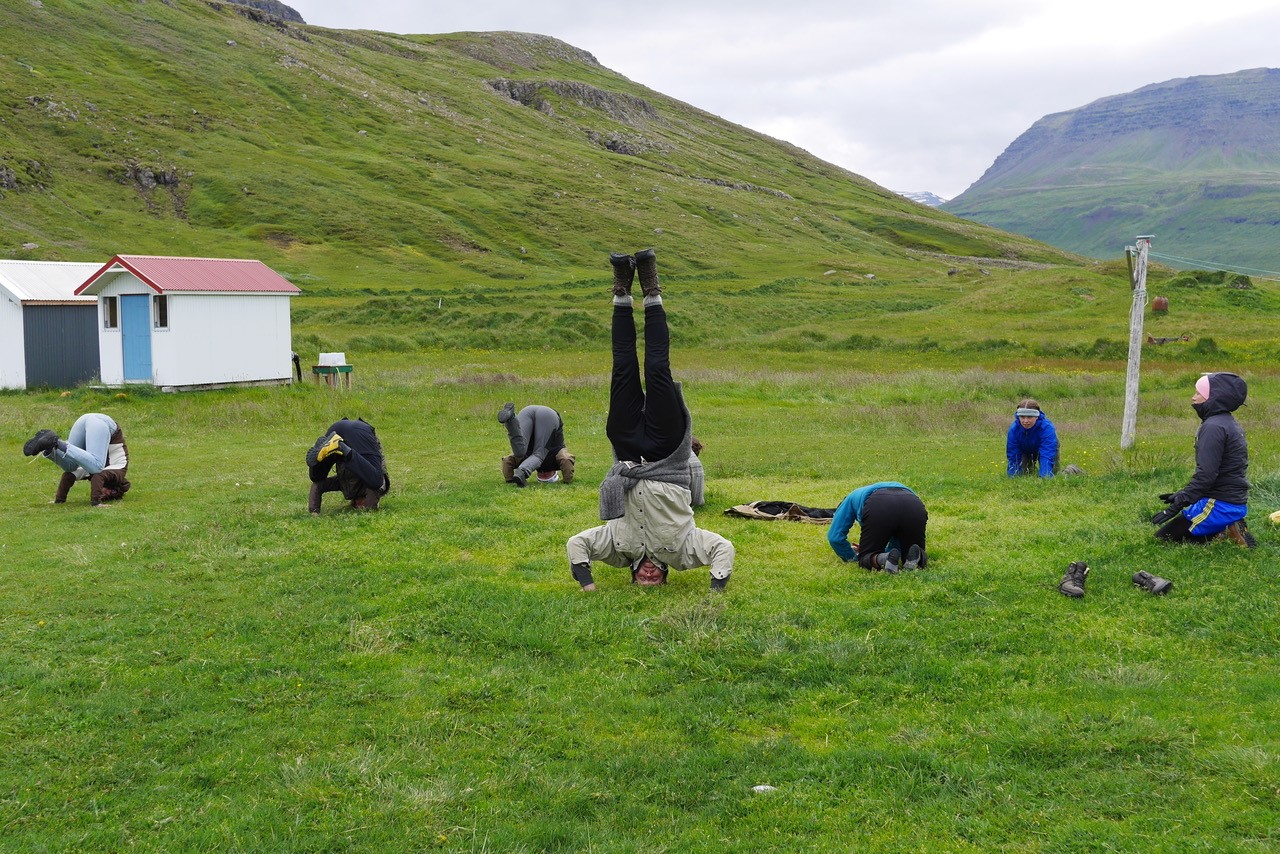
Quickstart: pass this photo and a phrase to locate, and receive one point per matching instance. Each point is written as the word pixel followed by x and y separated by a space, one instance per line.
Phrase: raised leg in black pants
pixel 643 426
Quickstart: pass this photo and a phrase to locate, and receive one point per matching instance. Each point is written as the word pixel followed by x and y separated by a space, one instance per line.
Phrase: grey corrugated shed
pixel 60 343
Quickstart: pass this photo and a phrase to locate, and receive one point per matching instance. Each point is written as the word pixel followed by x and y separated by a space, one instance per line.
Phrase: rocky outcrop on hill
pixel 624 109
pixel 273 7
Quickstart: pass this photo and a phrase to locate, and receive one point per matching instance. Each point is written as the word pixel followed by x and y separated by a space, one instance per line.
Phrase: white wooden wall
pixel 13 358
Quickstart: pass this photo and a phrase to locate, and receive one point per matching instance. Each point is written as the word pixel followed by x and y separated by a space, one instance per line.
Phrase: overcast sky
pixel 914 94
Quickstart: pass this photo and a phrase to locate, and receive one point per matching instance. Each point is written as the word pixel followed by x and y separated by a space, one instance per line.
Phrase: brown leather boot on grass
pixel 1238 533
pixel 1072 583
pixel 1153 584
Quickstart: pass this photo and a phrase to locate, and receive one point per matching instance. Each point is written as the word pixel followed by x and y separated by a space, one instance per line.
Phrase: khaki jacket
pixel 658 521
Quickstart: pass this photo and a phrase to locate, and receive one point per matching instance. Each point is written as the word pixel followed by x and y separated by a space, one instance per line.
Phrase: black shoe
pixel 1072 583
pixel 42 441
pixel 519 478
pixel 646 261
pixel 506 412
pixel 915 557
pixel 892 561
pixel 624 273
pixel 1154 584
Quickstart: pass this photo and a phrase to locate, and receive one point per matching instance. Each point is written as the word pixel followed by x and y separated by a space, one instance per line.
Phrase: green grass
pixel 206 666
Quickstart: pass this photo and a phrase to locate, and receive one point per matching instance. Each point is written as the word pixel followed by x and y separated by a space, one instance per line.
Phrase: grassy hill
pixel 1194 161
pixel 362 159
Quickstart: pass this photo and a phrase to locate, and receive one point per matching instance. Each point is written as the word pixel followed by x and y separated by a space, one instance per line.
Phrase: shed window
pixel 162 312
pixel 110 312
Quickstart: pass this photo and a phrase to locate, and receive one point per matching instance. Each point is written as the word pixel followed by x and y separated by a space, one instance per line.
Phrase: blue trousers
pixel 87 444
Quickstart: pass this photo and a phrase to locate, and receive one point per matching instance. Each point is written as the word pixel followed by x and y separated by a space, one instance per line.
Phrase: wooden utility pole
pixel 1137 281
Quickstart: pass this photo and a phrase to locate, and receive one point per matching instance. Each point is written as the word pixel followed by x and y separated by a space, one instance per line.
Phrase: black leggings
pixel 649 427
pixel 1178 530
pixel 891 513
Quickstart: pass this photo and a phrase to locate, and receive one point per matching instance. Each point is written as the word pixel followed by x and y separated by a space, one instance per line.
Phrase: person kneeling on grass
pixel 646 498
pixel 536 434
pixel 1216 499
pixel 893 519
pixel 361 475
pixel 1031 446
pixel 94 451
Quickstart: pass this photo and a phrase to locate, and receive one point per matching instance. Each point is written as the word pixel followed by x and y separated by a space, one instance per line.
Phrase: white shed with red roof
pixel 181 323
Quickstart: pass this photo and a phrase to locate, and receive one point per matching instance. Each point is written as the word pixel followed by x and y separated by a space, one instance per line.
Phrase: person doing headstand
pixel 645 499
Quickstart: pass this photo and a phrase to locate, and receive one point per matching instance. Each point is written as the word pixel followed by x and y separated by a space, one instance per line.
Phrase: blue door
pixel 135 331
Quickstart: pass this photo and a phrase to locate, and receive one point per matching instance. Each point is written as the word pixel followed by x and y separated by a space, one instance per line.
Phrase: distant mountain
pixel 1194 161
pixel 925 198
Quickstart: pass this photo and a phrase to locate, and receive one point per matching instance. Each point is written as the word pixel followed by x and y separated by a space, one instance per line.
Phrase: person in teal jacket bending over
pixel 892 520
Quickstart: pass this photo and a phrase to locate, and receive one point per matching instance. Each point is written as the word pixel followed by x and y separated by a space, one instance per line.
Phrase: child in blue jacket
pixel 1032 443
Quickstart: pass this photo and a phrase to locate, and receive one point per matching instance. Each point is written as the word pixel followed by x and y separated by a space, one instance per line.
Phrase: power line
pixel 1215 265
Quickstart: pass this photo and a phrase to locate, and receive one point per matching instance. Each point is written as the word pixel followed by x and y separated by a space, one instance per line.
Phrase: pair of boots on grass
pixel 892 562
pixel 1072 583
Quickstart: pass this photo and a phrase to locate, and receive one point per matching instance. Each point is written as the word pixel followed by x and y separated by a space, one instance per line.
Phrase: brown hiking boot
pixel 624 273
pixel 567 462
pixel 1238 533
pixel 1154 584
pixel 313 499
pixel 1072 583
pixel 647 270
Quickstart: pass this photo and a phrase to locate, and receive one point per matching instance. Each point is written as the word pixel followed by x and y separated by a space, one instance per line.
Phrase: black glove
pixel 1167 497
pixel 582 573
pixel 719 583
pixel 1165 515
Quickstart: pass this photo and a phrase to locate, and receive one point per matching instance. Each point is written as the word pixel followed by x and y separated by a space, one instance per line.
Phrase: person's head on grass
pixel 648 572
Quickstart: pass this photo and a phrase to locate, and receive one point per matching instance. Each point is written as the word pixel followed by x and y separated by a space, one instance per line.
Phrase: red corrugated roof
pixel 166 275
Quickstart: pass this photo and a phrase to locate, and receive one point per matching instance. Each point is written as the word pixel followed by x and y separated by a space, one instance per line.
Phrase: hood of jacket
pixel 1227 393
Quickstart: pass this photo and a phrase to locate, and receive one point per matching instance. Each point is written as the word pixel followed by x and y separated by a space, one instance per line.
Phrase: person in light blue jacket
pixel 1032 444
pixel 892 520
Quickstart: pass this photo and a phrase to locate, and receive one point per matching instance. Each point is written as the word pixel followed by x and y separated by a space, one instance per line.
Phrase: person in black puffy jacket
pixel 1217 496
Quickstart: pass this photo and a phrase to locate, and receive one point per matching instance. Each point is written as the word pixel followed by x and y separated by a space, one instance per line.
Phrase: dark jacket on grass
pixel 1222 454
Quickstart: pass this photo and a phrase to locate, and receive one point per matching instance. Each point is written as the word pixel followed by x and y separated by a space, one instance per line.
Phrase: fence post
pixel 1137 281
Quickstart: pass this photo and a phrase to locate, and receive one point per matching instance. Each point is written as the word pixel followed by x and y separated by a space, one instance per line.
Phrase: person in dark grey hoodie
pixel 1217 496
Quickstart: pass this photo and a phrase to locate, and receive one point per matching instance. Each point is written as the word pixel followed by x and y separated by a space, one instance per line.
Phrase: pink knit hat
pixel 1202 386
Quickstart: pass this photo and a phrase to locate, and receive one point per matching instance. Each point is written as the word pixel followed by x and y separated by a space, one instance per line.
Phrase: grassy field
pixel 205 666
